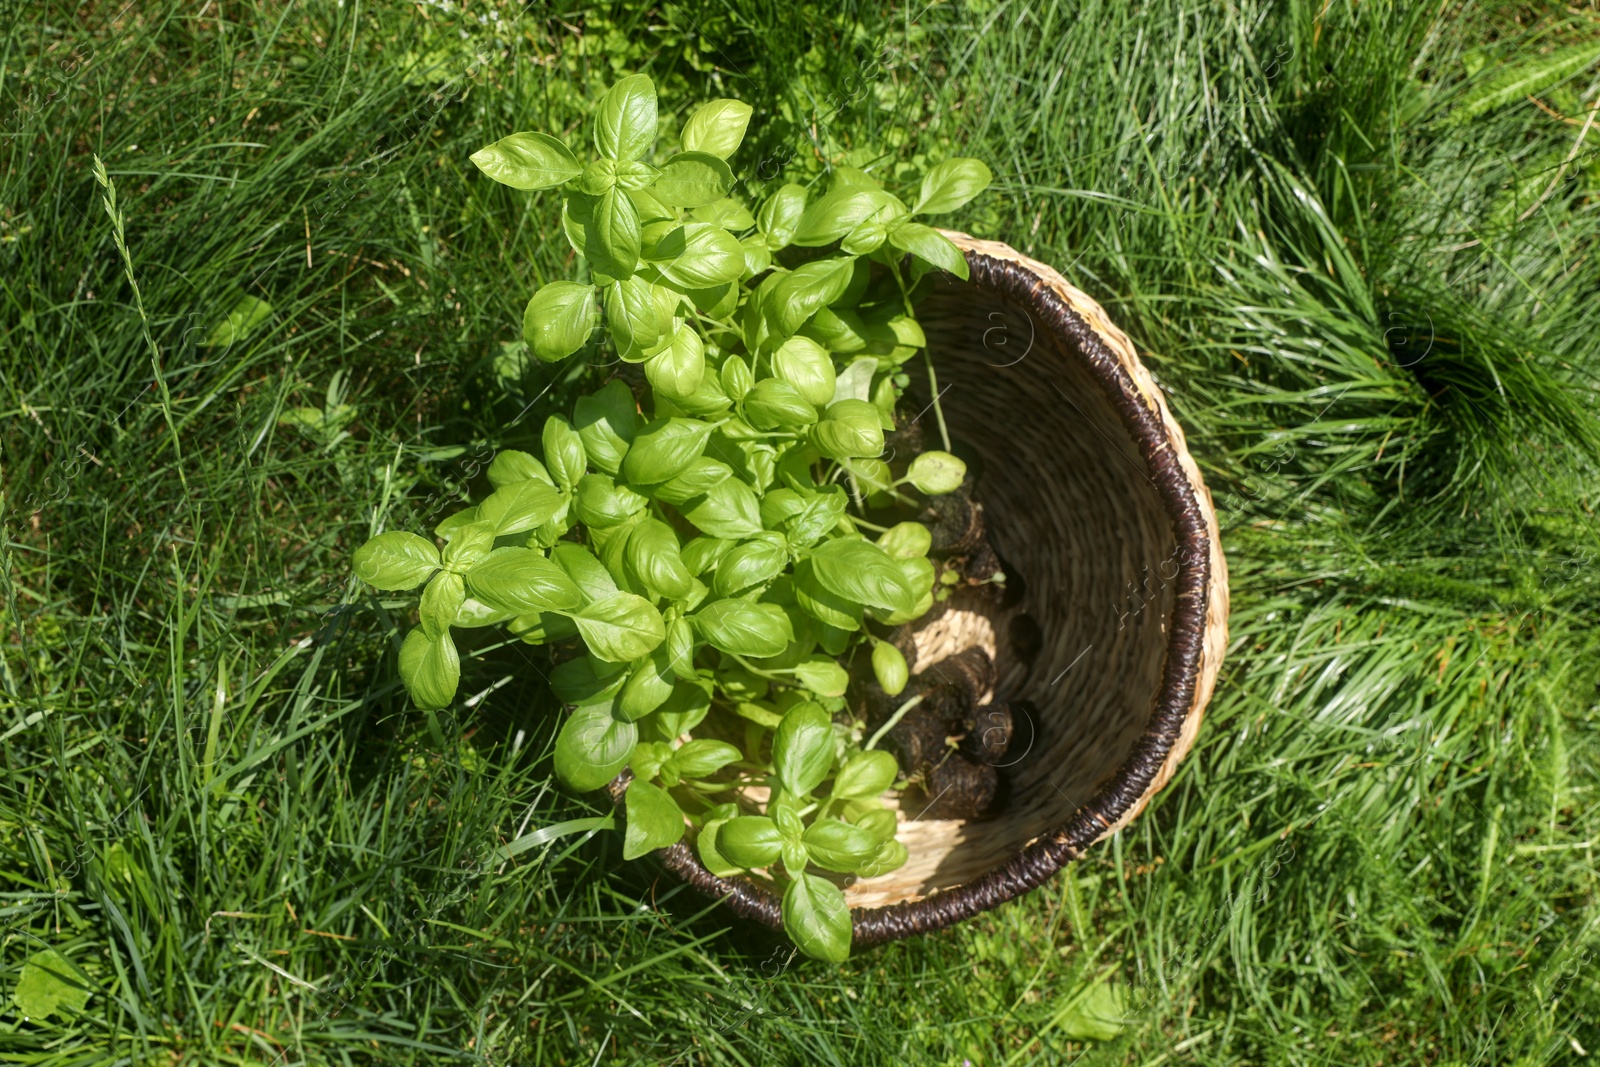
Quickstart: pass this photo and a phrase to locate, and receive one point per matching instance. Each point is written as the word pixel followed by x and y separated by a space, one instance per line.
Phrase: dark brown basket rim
pixel 1041 859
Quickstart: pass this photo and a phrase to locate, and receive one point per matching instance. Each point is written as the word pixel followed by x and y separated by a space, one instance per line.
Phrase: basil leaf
pixel 602 503
pixel 692 179
pixel 711 857
pixel 449 527
pixel 520 507
pixel 593 747
pixel 677 370
pixel 806 365
pixel 736 377
pixel 822 675
pixel 700 758
pixel 779 216
pixel 891 856
pixel 471 543
pixel 716 127
pixel 950 184
pixel 717 302
pixel 757 257
pixel 542 628
pixel 528 161
pixel 620 628
pixel 822 603
pixel 866 236
pixel 889 666
pixel 665 448
pixel 698 255
pixel 680 647
pixel 654 562
pixel 625 121
pixel 563 451
pixel 935 473
pixel 838 329
pixel 852 178
pixel 861 571
pixel 522 580
pixel 700 477
pixel 586 572
pixel 511 466
pixel 685 709
pixel 818 514
pixel 559 319
pixel 728 213
pixel 877 821
pixel 841 210
pixel 929 244
pixel 597 178
pixel 866 774
pixel 430 668
pixel 707 401
pixel 616 229
pixel 855 382
pixel 802 747
pixel 744 627
pixel 773 403
pixel 805 289
pixel 395 560
pixel 817 919
pixel 704 553
pixel 906 540
pixel 648 759
pixel 750 841
pixel 634 177
pixel 794 858
pixel 586 680
pixel 729 509
pixel 654 820
pixel 607 421
pixel 835 845
pixel 473 613
pixel 647 688
pixel 758 560
pixel 441 600
pixel 849 429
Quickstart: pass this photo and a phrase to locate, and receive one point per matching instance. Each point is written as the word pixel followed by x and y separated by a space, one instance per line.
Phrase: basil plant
pixel 702 561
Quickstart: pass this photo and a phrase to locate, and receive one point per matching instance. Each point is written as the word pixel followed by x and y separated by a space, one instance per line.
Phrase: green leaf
pixel 441 600
pixel 616 229
pixel 692 179
pixel 559 319
pixel 586 680
pixel 758 560
pixel 744 627
pixel 541 628
pixel 597 178
pixel 730 509
pixel 696 759
pixel 889 666
pixel 704 553
pixel 951 184
pixel 473 613
pixel 241 321
pixel 634 177
pixel 647 688
pixel 469 544
pixel 842 210
pixel 866 774
pixel 680 647
pixel 395 560
pixel 822 675
pixel 676 371
pixel 640 316
pixel 717 127
pixel 698 478
pixel 601 503
pixel 929 244
pixel 48 984
pixel 823 604
pixel 563 451
pixel 757 257
pixel 430 668
pixel 936 473
pixel 861 571
pixel 698 255
pixel 593 747
pixel 807 366
pixel 520 507
pixel 815 515
pixel 850 429
pixel 1514 82
pixel 891 856
pixel 802 746
pixel 736 377
pixel 817 919
pixel 512 466
pixel 750 841
pixel 528 161
pixel 773 403
pixel 806 288
pixel 1097 1014
pixel 728 213
pixel 625 121
pixel 665 448
pixel 654 561
pixel 838 846
pixel 586 572
pixel 654 820
pixel 621 628
pixel 607 421
pixel 779 216
pixel 685 709
pixel 906 540
pixel 711 856
pixel 522 580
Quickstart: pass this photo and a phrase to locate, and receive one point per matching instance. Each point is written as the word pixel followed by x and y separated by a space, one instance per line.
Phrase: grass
pixel 1356 244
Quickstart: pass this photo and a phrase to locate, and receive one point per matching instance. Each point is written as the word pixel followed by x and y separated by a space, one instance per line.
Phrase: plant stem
pixel 899 713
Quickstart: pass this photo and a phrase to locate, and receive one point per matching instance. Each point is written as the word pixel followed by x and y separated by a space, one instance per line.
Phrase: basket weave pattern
pixel 1092 499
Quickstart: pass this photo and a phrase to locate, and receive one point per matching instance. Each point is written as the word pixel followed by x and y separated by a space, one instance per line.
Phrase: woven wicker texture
pixel 1091 498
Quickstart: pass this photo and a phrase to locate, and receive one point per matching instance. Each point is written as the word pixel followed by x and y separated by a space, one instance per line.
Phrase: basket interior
pixel 1072 510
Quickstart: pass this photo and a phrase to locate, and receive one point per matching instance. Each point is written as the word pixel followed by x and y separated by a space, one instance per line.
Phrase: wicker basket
pixel 1090 495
